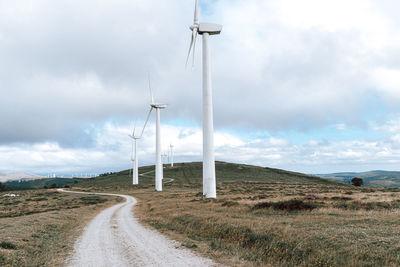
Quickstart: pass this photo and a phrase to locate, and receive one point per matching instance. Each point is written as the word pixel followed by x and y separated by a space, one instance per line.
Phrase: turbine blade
pixel 151 92
pixel 134 128
pixel 196 12
pixel 194 45
pixel 132 151
pixel 144 126
pixel 190 49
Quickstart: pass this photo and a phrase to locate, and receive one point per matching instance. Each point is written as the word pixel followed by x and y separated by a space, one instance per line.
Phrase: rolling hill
pixel 13 176
pixel 184 174
pixel 376 178
pixel 41 183
pixel 191 173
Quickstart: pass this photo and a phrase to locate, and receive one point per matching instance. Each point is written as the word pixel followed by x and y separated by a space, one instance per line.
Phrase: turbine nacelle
pixel 200 28
pixel 133 137
pixel 210 28
pixel 160 106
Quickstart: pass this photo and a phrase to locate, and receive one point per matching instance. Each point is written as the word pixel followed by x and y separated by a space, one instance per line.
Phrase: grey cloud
pixel 67 65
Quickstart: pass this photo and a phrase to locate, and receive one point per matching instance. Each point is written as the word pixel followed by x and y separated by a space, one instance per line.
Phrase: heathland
pixel 261 217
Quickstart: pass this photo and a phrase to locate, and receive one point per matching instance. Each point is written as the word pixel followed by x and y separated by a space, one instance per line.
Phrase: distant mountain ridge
pixel 14 176
pixel 376 178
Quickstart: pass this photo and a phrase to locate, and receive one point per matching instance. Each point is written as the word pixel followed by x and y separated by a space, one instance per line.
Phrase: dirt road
pixel 116 238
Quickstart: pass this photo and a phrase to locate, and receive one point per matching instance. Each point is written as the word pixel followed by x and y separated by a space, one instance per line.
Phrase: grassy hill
pixel 185 174
pixel 372 178
pixel 42 183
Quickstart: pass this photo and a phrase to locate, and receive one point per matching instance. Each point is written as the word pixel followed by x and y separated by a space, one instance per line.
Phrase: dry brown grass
pixel 39 227
pixel 233 233
pixel 348 226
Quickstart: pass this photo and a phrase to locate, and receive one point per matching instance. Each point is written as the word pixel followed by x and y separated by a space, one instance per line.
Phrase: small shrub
pixel 358 205
pixel 229 204
pixel 289 205
pixel 7 245
pixel 91 200
pixel 40 199
pixel 189 245
pixel 310 197
pixel 341 198
pixel 2 187
pixel 357 181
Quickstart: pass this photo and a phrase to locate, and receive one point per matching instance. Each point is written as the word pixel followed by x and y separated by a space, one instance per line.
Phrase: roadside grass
pixel 281 233
pixel 301 220
pixel 39 227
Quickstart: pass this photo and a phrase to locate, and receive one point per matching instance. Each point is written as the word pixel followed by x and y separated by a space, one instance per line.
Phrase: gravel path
pixel 116 238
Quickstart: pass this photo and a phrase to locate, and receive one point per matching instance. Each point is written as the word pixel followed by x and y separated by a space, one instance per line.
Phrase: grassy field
pixel 39 227
pixel 262 217
pixel 268 217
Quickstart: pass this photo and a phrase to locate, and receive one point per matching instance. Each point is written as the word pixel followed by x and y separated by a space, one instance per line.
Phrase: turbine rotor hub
pixel 194 26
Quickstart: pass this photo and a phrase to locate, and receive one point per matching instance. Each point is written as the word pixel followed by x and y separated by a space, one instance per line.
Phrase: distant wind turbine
pixel 135 172
pixel 159 166
pixel 206 29
pixel 171 155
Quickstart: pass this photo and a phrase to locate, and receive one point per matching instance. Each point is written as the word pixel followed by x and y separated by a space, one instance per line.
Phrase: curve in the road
pixel 166 180
pixel 116 238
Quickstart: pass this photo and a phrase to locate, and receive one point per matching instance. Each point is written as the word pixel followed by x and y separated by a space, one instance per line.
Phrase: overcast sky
pixel 310 86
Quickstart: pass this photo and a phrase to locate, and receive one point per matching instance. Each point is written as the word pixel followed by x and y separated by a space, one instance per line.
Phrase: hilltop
pixel 191 174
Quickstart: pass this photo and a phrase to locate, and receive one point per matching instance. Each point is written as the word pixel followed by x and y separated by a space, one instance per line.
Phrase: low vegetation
pixel 39 227
pixel 268 217
pixel 2 187
pixel 287 205
pixel 262 217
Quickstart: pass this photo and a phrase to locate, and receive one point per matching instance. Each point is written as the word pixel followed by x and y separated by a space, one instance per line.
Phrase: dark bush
pixel 341 198
pixel 289 205
pixel 53 185
pixel 229 204
pixel 91 200
pixel 357 181
pixel 2 187
pixel 357 205
pixel 7 245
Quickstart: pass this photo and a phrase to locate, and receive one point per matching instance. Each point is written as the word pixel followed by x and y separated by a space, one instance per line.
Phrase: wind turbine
pixel 159 166
pixel 164 158
pixel 135 172
pixel 171 155
pixel 206 29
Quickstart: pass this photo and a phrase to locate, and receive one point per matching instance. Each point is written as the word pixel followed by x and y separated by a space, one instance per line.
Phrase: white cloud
pixel 112 150
pixel 68 68
pixel 387 81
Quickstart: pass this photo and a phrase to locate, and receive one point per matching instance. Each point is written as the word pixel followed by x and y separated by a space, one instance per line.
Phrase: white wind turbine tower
pixel 135 172
pixel 159 166
pixel 206 29
pixel 164 158
pixel 171 155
